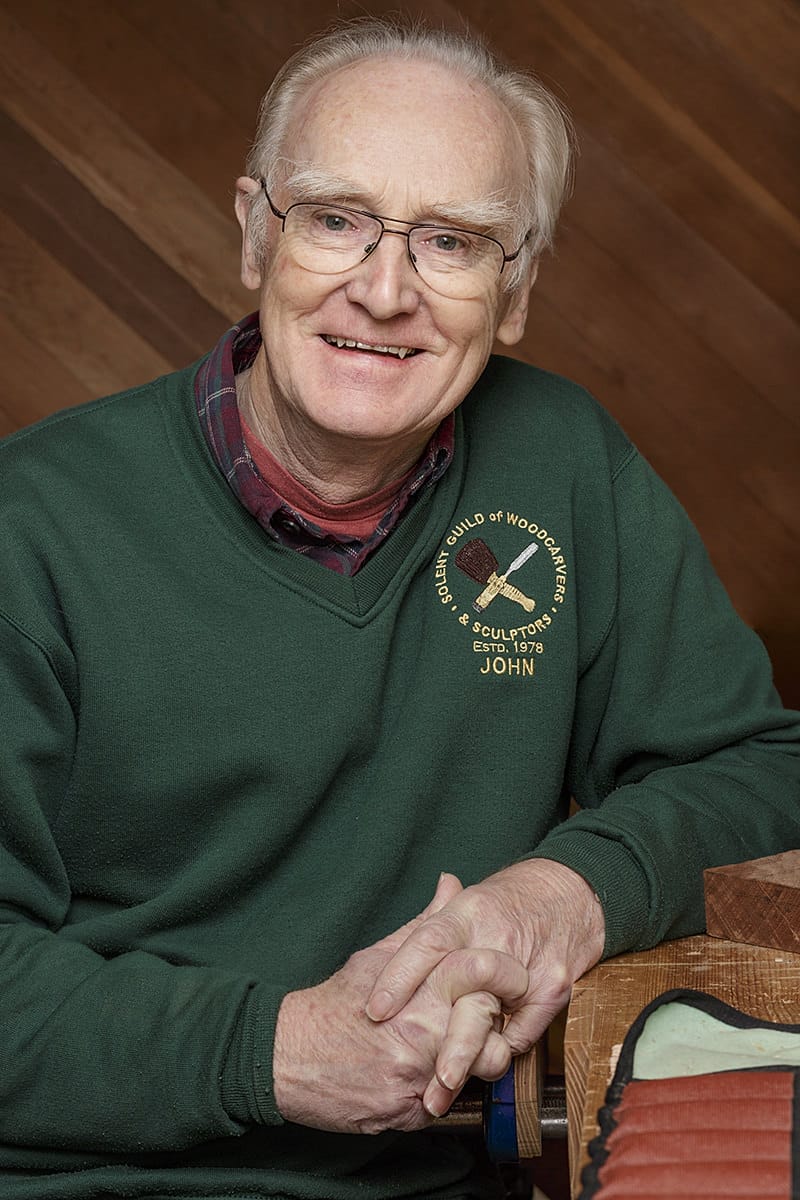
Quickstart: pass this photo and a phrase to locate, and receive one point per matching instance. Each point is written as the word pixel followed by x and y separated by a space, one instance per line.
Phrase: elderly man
pixel 347 609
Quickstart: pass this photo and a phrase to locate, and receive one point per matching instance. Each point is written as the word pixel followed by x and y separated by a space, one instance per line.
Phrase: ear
pixel 512 324
pixel 246 190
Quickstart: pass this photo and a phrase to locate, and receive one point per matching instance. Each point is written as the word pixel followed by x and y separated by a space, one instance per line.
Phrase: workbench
pixel 762 982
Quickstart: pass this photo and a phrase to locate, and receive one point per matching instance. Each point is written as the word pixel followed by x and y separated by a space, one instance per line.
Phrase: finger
pixel 481 970
pixel 471 1037
pixel 492 1063
pixel 436 1099
pixel 420 953
pixel 447 887
pixel 494 1060
pixel 551 984
pixel 526 1026
pixel 458 973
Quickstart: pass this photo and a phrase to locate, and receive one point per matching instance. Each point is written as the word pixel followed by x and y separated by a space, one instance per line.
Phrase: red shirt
pixel 340 536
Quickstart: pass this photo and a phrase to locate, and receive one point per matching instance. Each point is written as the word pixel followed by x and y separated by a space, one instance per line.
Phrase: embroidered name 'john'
pixel 508 666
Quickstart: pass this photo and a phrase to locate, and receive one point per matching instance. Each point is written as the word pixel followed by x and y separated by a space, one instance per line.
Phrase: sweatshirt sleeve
pixel 122 1053
pixel 683 757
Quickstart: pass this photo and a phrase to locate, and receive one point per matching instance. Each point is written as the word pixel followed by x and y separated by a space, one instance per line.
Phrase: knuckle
pixel 526 1027
pixel 481 967
pixel 413 1118
pixel 554 983
pixel 487 1006
pixel 409 1040
pixel 370 1125
pixel 518 1041
pixel 440 933
pixel 476 968
pixel 485 908
pixel 558 975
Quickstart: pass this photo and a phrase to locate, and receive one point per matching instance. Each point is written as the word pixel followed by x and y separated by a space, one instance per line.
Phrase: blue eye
pixel 447 241
pixel 335 222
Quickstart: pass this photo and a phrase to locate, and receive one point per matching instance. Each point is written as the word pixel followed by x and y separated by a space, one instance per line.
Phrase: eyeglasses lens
pixel 330 240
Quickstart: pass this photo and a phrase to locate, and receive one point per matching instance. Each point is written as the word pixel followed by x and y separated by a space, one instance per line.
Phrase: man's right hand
pixel 336 1069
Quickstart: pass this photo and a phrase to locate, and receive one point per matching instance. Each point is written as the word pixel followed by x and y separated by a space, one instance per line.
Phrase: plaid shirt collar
pixel 215 395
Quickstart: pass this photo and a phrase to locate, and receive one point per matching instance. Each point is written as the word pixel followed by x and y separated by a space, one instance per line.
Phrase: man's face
pixel 409 138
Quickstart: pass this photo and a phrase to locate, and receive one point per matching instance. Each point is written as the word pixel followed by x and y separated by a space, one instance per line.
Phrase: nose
pixel 385 283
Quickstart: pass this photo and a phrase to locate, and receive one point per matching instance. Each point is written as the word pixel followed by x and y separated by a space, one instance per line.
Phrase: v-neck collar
pixel 356 598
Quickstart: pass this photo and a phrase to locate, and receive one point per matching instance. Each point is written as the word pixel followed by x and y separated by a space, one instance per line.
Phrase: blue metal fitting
pixel 500 1120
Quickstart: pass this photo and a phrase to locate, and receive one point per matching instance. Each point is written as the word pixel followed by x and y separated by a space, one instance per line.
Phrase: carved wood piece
pixel 757 902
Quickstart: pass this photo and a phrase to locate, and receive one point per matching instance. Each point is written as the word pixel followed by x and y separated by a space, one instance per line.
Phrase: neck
pixel 335 468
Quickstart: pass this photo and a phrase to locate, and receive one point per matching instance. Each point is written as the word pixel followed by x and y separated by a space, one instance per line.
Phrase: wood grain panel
pixel 139 78
pixel 42 384
pixel 205 39
pixel 760 38
pixel 170 215
pixel 704 94
pixel 661 141
pixel 63 316
pixel 64 218
pixel 704 290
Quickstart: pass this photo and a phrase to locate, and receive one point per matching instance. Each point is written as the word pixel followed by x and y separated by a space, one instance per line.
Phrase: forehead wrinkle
pixel 354 107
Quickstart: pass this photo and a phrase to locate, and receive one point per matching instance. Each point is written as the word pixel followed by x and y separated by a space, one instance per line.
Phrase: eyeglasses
pixel 328 239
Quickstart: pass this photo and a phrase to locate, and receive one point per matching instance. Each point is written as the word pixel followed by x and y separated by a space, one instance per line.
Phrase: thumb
pixel 447 888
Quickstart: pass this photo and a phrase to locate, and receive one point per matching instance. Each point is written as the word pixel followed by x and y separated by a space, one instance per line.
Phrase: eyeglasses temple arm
pixel 276 211
pixel 510 257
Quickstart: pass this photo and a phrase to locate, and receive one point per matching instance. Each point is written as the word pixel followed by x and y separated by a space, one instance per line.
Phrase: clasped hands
pixel 388 1041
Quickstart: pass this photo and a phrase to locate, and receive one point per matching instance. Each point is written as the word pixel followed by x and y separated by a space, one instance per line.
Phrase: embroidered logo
pixel 505 641
pixel 476 560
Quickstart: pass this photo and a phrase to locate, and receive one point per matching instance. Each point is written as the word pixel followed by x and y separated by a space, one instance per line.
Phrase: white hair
pixel 543 124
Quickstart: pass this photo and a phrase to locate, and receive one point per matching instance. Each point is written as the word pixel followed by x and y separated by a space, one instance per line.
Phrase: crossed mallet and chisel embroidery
pixel 477 561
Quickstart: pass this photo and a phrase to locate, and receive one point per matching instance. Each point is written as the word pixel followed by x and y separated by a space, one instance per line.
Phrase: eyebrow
pixel 486 215
pixel 482 215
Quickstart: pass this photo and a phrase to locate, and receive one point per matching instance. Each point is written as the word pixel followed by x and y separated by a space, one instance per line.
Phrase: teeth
pixel 397 351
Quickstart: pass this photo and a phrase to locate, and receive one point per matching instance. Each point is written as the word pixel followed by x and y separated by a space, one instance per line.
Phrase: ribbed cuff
pixel 247 1088
pixel 614 873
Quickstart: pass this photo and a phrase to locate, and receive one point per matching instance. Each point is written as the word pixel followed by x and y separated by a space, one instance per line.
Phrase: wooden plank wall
pixel 673 296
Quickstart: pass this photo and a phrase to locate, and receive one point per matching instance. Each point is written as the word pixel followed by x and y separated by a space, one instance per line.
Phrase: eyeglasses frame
pixel 413 225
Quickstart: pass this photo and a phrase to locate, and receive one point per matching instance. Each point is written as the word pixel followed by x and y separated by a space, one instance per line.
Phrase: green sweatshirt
pixel 224 767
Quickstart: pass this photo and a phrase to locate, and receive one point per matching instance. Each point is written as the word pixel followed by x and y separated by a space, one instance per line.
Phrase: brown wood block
pixel 757 902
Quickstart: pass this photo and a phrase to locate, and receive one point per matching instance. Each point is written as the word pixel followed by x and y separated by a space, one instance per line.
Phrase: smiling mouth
pixel 349 344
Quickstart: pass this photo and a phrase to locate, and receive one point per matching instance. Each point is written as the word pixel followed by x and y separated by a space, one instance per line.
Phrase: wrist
pixel 286 1056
